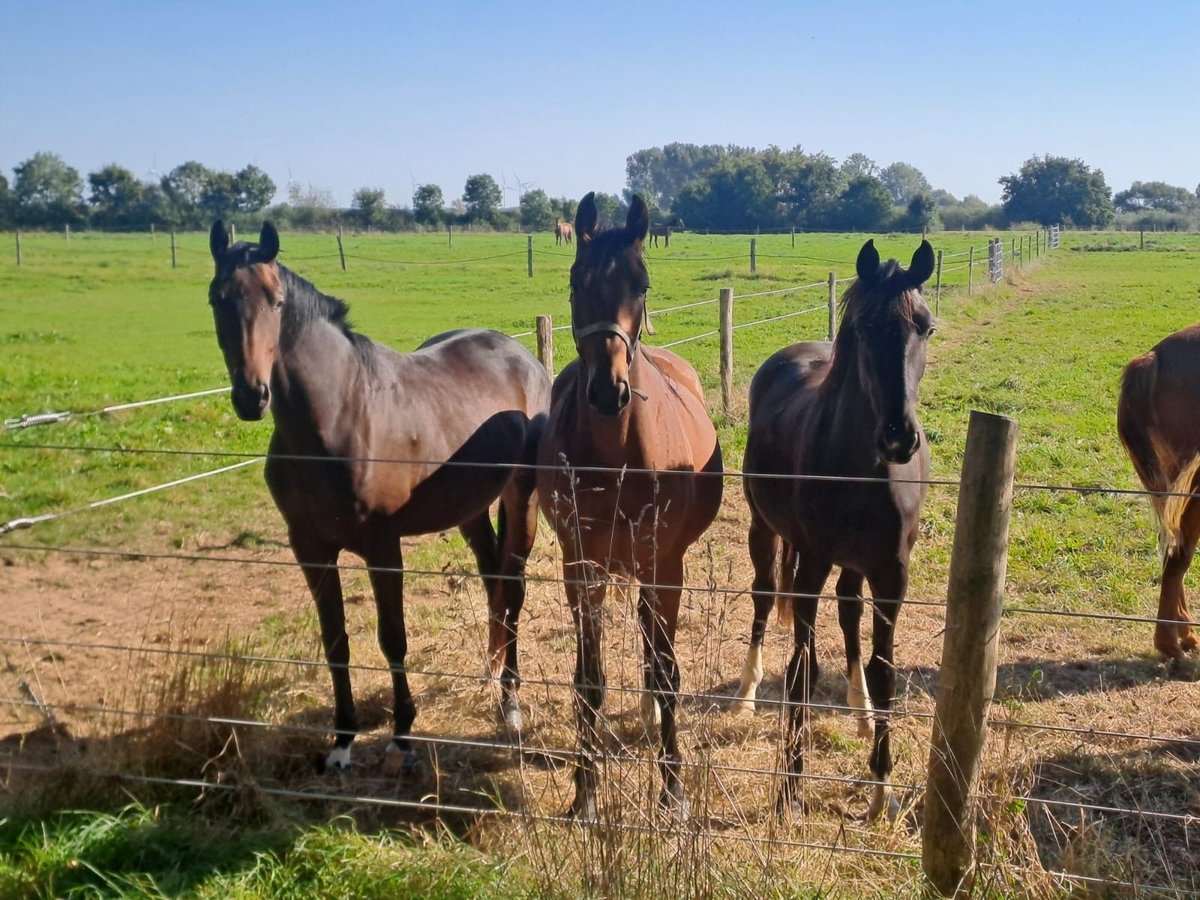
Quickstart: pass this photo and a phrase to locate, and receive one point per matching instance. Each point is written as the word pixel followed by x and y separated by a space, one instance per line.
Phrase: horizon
pixel 431 110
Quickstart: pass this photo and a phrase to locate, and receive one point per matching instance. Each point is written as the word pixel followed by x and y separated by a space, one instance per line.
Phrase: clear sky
pixel 345 95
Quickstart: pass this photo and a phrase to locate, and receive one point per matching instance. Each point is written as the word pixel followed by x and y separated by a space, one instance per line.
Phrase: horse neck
pixel 842 398
pixel 317 358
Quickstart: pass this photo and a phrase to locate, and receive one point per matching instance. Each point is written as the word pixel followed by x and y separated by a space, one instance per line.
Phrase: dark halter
pixel 631 343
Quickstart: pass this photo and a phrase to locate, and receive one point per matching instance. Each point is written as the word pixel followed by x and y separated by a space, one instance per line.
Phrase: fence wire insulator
pixel 29 420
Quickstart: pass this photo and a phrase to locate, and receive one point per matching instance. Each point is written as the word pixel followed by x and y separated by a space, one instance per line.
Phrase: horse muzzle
pixel 250 401
pixel 898 444
pixel 609 398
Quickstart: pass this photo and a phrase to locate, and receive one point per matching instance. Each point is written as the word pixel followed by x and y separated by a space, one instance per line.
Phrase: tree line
pixel 710 187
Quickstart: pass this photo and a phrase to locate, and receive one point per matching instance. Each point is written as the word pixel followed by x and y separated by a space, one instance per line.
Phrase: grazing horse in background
pixel 624 406
pixel 1158 420
pixel 371 445
pixel 562 232
pixel 841 410
pixel 663 230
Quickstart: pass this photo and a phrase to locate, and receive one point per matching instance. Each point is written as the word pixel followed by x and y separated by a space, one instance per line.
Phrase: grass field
pixel 104 319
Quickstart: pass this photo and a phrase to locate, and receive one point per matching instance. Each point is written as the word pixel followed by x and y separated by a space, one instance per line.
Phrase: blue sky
pixel 349 94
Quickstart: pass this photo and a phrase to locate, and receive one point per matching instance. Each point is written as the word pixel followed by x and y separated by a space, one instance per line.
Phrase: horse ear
pixel 637 223
pixel 867 265
pixel 268 243
pixel 922 264
pixel 218 240
pixel 587 219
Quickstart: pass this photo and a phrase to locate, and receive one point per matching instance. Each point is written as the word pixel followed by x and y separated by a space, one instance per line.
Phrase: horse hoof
pixel 675 805
pixel 866 728
pixel 583 812
pixel 338 759
pixel 883 801
pixel 1187 643
pixel 742 706
pixel 398 761
pixel 514 721
pixel 651 715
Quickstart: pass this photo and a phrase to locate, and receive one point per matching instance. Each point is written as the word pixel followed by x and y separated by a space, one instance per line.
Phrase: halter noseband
pixel 607 328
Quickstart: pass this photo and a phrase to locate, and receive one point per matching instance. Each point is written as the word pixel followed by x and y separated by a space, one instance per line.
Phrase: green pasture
pixel 103 319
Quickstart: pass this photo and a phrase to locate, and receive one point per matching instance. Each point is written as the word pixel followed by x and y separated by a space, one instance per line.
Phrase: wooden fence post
pixel 341 249
pixel 173 258
pixel 726 313
pixel 971 268
pixel 545 343
pixel 832 305
pixel 529 255
pixel 793 237
pixel 974 602
pixel 67 231
pixel 753 256
pixel 18 248
pixel 1141 238
pixel 937 291
pixel 450 234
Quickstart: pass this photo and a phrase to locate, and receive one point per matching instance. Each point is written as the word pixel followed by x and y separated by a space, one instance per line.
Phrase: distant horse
pixel 1159 425
pixel 562 232
pixel 399 432
pixel 841 410
pixel 663 230
pixel 636 523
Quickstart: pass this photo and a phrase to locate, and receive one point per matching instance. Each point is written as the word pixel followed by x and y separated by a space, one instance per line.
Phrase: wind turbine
pixel 153 174
pixel 522 187
pixel 506 187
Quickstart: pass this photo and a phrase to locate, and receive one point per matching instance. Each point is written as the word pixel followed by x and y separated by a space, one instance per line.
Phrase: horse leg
pixel 850 605
pixel 887 592
pixel 319 563
pixel 586 585
pixel 481 538
pixel 1173 640
pixel 518 518
pixel 386 567
pixel 658 610
pixel 764 547
pixel 802 672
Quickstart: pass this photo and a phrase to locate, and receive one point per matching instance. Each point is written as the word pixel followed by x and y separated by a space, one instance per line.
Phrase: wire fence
pixel 695 699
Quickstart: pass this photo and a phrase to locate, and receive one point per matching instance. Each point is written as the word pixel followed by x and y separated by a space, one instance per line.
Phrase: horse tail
pixel 1137 427
pixel 785 606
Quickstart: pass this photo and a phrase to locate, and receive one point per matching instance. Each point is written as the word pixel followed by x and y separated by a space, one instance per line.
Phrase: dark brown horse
pixel 386 422
pixel 623 405
pixel 562 232
pixel 846 410
pixel 663 230
pixel 1159 424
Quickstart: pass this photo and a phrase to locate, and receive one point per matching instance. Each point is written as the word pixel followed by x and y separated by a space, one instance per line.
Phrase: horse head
pixel 887 321
pixel 246 296
pixel 609 282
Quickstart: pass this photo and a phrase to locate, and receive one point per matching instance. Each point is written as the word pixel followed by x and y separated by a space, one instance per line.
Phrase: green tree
pixel 859 165
pixel 865 205
pixel 254 189
pixel 482 196
pixel 220 197
pixel 920 214
pixel 810 189
pixel 369 207
pixel 1144 195
pixel 736 196
pixel 536 210
pixel 6 204
pixel 1054 189
pixel 612 209
pixel 904 182
pixel 428 205
pixel 116 198
pixel 184 187
pixel 48 192
pixel 310 207
pixel 660 173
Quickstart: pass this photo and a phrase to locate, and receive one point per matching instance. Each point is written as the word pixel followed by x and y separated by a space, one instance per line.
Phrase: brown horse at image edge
pixel 1158 421
pixel 622 405
pixel 833 428
pixel 371 445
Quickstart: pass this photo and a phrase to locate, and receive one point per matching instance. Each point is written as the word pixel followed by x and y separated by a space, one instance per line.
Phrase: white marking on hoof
pixel 752 675
pixel 883 800
pixel 395 760
pixel 857 698
pixel 651 714
pixel 514 721
pixel 338 758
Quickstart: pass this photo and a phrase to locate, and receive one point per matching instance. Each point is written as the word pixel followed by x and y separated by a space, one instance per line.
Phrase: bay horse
pixel 618 406
pixel 371 445
pixel 841 410
pixel 562 232
pixel 1158 424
